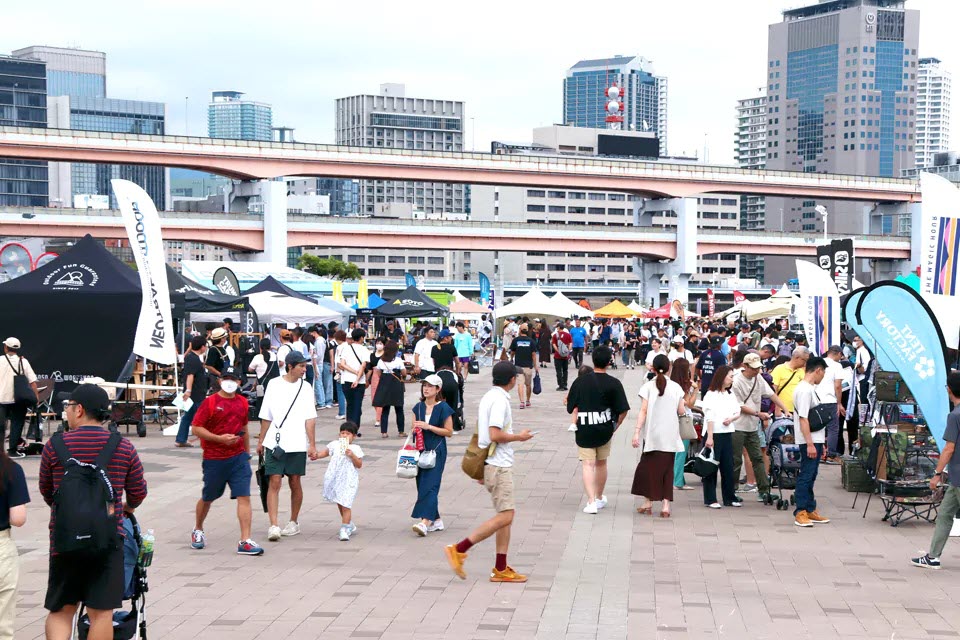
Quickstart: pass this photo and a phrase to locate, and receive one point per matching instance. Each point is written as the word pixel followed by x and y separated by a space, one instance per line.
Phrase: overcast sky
pixel 506 60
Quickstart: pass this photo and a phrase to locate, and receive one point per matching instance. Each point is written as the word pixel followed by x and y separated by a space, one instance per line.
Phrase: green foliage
pixel 328 267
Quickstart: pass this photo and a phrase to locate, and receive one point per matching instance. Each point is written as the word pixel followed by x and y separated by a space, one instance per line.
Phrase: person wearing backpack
pixel 13 408
pixel 86 527
pixel 562 343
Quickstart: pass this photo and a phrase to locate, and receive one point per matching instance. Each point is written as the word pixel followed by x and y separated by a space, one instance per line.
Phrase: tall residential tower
pixel 933 110
pixel 230 116
pixel 751 153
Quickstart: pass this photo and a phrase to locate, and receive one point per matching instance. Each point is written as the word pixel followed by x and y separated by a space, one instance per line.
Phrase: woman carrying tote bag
pixel 721 408
pixel 434 418
pixel 680 373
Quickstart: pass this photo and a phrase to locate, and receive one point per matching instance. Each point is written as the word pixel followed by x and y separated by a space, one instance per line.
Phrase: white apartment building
pixel 933 110
pixel 751 153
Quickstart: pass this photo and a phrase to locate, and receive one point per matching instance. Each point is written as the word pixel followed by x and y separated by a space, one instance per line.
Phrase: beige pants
pixel 9 576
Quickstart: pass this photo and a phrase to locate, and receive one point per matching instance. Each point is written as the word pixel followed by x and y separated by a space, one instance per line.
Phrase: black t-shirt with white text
pixel 523 348
pixel 708 363
pixel 599 400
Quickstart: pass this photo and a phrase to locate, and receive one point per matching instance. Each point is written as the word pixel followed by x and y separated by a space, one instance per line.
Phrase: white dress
pixel 342 480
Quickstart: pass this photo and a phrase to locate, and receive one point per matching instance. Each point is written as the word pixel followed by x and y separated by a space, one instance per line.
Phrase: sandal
pixel 645 510
pixel 664 514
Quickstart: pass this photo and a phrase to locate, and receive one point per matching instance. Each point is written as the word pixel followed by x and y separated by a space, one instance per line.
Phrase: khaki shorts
pixel 499 482
pixel 524 376
pixel 595 454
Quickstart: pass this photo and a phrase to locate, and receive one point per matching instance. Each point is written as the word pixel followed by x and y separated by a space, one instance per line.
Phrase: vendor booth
pixel 574 310
pixel 533 304
pixel 272 285
pixel 411 303
pixel 616 309
pixel 275 308
pixel 198 298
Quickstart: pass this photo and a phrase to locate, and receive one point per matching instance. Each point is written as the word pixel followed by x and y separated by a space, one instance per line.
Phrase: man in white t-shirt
pixel 353 364
pixel 811 443
pixel 830 390
pixel 287 420
pixel 422 360
pixel 495 426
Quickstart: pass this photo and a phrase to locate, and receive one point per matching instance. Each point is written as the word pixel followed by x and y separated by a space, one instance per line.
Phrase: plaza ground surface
pixel 701 574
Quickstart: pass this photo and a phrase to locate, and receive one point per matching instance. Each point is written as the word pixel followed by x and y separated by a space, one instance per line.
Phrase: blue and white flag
pixel 484 289
pixel 410 280
pixel 907 333
pixel 850 317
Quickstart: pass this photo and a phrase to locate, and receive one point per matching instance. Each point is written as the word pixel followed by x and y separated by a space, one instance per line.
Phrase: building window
pixel 377 259
pixel 397 260
pixel 536 193
pixel 557 194
pixel 536 208
pixel 535 266
pixel 355 258
pixel 434 260
pixel 375 272
pixel 396 273
pixel 435 273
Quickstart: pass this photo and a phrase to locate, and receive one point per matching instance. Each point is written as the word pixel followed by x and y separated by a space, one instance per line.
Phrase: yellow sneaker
pixel 455 560
pixel 802 519
pixel 816 518
pixel 507 575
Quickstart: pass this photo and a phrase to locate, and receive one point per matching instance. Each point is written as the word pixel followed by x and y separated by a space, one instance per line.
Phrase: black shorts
pixel 97 582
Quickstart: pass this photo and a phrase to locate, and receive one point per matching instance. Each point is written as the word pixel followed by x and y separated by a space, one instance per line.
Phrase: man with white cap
pixel 749 388
pixel 678 350
pixel 10 409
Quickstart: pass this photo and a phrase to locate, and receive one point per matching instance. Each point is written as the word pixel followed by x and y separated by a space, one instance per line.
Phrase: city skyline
pixel 304 74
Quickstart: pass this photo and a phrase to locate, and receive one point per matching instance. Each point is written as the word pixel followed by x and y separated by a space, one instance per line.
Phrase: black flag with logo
pixel 836 259
pixel 226 281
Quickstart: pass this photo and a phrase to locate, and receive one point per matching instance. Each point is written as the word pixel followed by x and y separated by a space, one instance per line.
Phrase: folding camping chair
pixel 40 416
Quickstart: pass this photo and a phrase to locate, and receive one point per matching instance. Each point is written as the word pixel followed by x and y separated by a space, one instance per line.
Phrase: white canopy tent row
pixel 275 308
pixel 535 304
pixel 563 301
pixel 637 307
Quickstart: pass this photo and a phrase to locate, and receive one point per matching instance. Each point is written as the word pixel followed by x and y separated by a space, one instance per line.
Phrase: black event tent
pixel 75 316
pixel 410 303
pixel 273 285
pixel 200 299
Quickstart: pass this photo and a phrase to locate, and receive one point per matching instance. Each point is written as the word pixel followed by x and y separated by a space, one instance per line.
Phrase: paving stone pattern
pixel 732 573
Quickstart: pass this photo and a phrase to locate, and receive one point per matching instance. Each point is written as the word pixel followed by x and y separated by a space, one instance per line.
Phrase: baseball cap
pixel 434 380
pixel 752 360
pixel 445 333
pixel 230 372
pixel 503 373
pixel 92 398
pixel 294 358
pixel 12 343
pixel 218 333
pixel 677 340
pixel 716 341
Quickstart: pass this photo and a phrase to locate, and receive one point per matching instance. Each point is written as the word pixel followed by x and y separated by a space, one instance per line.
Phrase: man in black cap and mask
pixel 95 579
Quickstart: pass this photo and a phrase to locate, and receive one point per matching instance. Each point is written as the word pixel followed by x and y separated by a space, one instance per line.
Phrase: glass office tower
pixel 229 116
pixel 23 103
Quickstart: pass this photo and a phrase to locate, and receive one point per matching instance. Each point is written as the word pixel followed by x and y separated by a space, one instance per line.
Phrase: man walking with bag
pixel 15 372
pixel 495 426
pixel 562 343
pixel 287 420
pixel 750 388
pixel 810 433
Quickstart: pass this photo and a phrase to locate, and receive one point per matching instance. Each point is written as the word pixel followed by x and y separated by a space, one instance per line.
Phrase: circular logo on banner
pixel 71 277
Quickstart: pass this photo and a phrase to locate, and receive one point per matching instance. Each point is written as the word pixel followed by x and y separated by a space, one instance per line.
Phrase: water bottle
pixel 146 549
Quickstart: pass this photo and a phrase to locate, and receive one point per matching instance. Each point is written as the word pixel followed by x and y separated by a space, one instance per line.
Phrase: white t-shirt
pixel 279 398
pixel 717 407
pixel 387 367
pixel 259 365
pixel 354 356
pixel 423 349
pixel 282 352
pixel 863 360
pixel 8 371
pixel 826 389
pixel 301 346
pixel 495 411
pixel 676 355
pixel 803 401
pixel 661 429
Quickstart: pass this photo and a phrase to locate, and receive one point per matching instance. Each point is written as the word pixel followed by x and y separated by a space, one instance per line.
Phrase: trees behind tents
pixel 329 267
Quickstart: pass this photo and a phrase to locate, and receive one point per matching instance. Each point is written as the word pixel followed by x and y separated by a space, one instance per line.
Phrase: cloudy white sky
pixel 505 59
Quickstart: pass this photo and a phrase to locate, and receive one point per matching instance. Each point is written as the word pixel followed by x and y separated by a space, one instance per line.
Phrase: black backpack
pixel 86 521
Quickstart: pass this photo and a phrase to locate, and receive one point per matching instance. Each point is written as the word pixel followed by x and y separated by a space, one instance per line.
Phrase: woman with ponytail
pixel 658 428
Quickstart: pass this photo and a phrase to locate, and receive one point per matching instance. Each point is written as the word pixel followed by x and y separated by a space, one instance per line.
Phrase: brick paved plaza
pixel 702 574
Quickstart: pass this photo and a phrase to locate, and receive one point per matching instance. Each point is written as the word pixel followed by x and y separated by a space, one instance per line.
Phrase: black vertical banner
pixel 836 259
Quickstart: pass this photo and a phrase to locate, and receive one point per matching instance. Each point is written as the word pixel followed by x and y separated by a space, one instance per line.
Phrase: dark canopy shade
pixel 373 301
pixel 198 298
pixel 75 316
pixel 275 286
pixel 411 303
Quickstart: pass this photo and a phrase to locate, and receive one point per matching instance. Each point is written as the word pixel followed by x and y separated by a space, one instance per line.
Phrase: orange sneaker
pixel 802 519
pixel 455 560
pixel 507 575
pixel 816 518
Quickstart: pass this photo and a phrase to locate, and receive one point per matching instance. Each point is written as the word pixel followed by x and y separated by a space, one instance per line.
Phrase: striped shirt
pixel 84 444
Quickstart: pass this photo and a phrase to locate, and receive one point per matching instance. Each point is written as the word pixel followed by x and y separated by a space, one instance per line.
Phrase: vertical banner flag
pixel 410 281
pixel 493 296
pixel 939 251
pixel 738 297
pixel 850 317
pixel 363 295
pixel 836 258
pixel 699 306
pixel 337 293
pixel 484 288
pixel 907 332
pixel 820 305
pixel 711 303
pixel 226 281
pixel 154 337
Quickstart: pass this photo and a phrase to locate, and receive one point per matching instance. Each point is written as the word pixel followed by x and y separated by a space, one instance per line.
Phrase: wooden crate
pixel 854 477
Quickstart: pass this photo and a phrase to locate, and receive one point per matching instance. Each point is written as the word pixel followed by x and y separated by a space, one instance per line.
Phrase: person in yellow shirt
pixel 788 375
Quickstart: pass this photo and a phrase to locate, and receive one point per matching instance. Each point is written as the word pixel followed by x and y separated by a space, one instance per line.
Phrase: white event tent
pixel 535 304
pixel 574 309
pixel 275 308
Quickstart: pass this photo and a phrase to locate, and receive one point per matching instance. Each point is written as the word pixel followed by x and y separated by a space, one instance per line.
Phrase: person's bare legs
pixel 521 390
pixel 666 507
pixel 503 540
pixel 346 514
pixel 59 624
pixel 748 465
pixel 273 498
pixel 296 497
pixel 203 508
pixel 601 478
pixel 245 516
pixel 590 479
pixel 495 524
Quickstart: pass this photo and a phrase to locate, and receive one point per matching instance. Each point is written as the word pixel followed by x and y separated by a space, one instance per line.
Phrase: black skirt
pixel 390 391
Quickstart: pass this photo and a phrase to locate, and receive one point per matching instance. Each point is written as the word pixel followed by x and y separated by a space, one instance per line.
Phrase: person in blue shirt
pixel 724 344
pixel 463 343
pixel 605 332
pixel 579 335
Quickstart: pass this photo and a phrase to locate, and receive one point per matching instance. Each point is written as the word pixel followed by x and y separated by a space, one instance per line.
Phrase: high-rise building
pixel 644 95
pixel 71 72
pixel 841 98
pixel 933 110
pixel 751 153
pixel 230 116
pixel 23 103
pixel 391 120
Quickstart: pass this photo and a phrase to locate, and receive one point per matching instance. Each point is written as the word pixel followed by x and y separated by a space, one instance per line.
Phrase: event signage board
pixel 907 332
pixel 836 258
pixel 820 305
pixel 226 281
pixel 154 337
pixel 937 246
pixel 711 303
pixel 484 288
pixel 337 290
pixel 850 317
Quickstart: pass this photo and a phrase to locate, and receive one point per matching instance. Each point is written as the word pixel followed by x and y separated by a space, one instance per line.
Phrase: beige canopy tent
pixel 778 305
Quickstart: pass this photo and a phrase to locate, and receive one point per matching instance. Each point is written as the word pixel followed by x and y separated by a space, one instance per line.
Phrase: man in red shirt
pixel 221 425
pixel 562 343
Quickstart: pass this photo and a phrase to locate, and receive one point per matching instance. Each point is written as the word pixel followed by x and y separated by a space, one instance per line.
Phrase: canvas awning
pixel 532 303
pixel 617 309
pixel 779 304
pixel 411 303
pixel 575 310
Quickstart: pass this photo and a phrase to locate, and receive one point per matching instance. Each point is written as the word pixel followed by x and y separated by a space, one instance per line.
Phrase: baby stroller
pixel 126 624
pixel 784 460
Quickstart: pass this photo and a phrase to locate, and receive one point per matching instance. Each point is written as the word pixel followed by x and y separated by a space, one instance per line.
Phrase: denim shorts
pixel 217 474
pixel 762 434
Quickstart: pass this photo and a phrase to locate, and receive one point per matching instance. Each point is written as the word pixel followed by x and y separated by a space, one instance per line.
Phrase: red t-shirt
pixel 221 416
pixel 567 339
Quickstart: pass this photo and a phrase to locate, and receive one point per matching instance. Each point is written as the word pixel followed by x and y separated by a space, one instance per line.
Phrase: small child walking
pixel 342 479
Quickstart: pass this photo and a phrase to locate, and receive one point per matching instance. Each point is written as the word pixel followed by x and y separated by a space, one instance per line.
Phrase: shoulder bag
pixel 475 457
pixel 273 370
pixel 821 415
pixel 428 457
pixel 277 452
pixel 22 391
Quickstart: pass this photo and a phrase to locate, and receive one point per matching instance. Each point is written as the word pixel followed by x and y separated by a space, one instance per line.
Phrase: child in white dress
pixel 342 479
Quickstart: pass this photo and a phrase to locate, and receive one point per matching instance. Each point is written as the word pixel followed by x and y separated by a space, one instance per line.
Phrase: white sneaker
pixel 602 502
pixel 273 534
pixel 436 526
pixel 591 508
pixel 292 529
pixel 715 505
pixel 341 417
pixel 344 533
pixel 420 529
pixel 353 528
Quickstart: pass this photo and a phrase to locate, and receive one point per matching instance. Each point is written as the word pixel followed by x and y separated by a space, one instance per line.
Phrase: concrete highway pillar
pixel 273 193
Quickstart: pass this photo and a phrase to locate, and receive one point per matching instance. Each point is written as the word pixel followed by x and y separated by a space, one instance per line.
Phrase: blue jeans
pixel 327 376
pixel 185 420
pixel 318 389
pixel 342 399
pixel 807 476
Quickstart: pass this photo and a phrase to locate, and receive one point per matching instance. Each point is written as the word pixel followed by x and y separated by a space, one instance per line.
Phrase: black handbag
pixel 262 481
pixel 821 415
pixel 22 391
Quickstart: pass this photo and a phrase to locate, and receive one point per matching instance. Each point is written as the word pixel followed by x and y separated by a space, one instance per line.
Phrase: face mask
pixel 229 386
